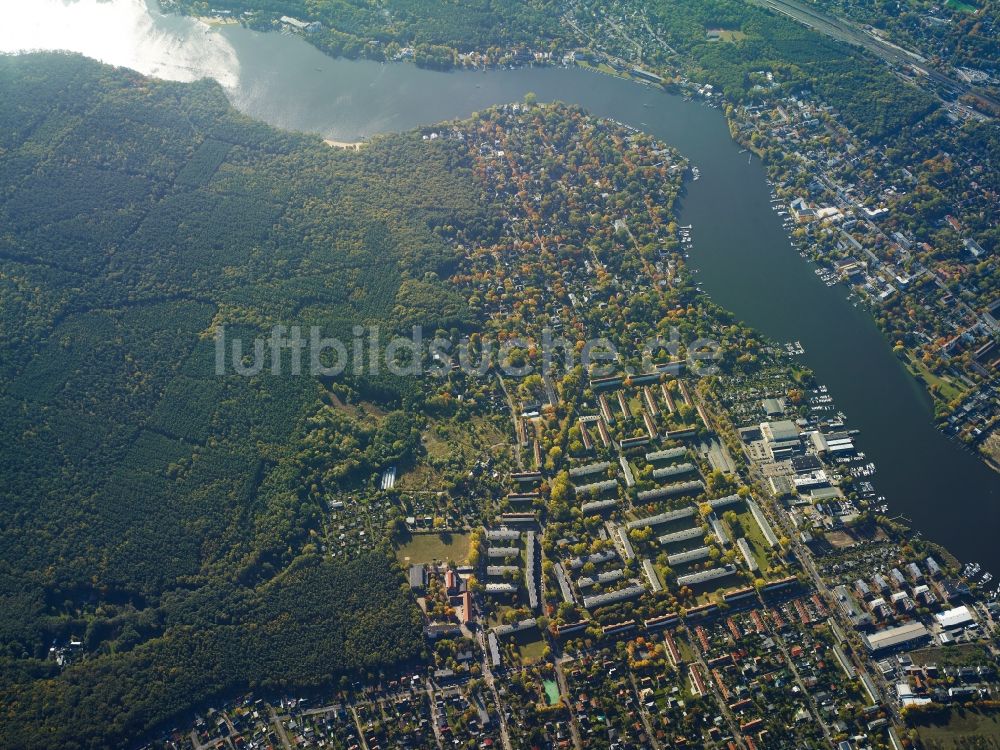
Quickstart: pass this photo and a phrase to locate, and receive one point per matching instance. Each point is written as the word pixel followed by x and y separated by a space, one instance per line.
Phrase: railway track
pixel 849 32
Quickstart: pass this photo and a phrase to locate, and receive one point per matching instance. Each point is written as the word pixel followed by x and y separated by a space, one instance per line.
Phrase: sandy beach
pixel 356 145
pixel 218 20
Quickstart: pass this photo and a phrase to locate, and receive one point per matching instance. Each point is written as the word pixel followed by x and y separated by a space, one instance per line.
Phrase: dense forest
pixel 161 515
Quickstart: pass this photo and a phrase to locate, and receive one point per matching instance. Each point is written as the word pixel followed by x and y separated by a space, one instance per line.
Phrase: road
pixel 804 556
pixel 514 418
pixel 727 714
pixel 434 716
pixel 657 37
pixel 564 692
pixel 813 708
pixel 279 727
pixel 491 684
pixel 643 713
pixel 550 390
pixel 361 729
pixel 832 605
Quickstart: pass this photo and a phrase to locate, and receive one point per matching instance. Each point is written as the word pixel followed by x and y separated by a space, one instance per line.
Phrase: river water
pixel 741 252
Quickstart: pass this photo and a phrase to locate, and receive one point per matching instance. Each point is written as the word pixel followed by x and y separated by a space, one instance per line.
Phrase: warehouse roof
pixel 954 618
pixel 897 636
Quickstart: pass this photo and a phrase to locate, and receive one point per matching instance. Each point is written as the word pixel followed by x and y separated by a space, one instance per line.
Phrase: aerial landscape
pixel 427 374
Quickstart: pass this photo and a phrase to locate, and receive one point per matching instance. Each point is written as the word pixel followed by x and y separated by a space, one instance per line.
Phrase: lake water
pixel 741 251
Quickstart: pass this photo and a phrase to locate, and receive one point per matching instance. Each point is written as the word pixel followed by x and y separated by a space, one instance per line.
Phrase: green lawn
pixel 551 691
pixel 600 67
pixel 426 548
pixel 635 404
pixel 708 592
pixel 530 647
pixel 960 6
pixel 756 539
pixel 947 389
pixel 688 654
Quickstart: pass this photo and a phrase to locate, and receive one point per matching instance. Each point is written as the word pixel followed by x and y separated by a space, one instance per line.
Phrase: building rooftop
pixel 894 637
pixel 690 556
pixel 705 575
pixel 497 535
pixel 723 502
pixel 673 471
pixel 598 506
pixel 666 455
pixel 597 487
pixel 601 600
pixel 682 535
pixel 954 618
pixel 594 468
pixel 747 552
pixel 680 488
pixel 780 431
pixel 673 515
pixel 774 406
pixel 654 579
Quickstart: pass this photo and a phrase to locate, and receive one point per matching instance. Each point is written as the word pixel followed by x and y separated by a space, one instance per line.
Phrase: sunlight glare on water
pixel 120 32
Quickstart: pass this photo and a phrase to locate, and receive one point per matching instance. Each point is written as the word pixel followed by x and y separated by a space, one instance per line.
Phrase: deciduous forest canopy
pixel 163 514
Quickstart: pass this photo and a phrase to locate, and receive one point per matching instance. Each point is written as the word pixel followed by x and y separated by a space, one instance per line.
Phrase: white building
pixel 958 617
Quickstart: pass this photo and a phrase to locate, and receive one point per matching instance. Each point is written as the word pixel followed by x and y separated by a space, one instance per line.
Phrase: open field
pixel 958 655
pixel 530 647
pixel 421 478
pixel 965 728
pixel 475 439
pixel 446 442
pixel 840 539
pixel 426 548
pixel 726 35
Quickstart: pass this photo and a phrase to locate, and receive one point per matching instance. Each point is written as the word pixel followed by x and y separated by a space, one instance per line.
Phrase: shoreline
pixel 349 145
pixel 217 20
